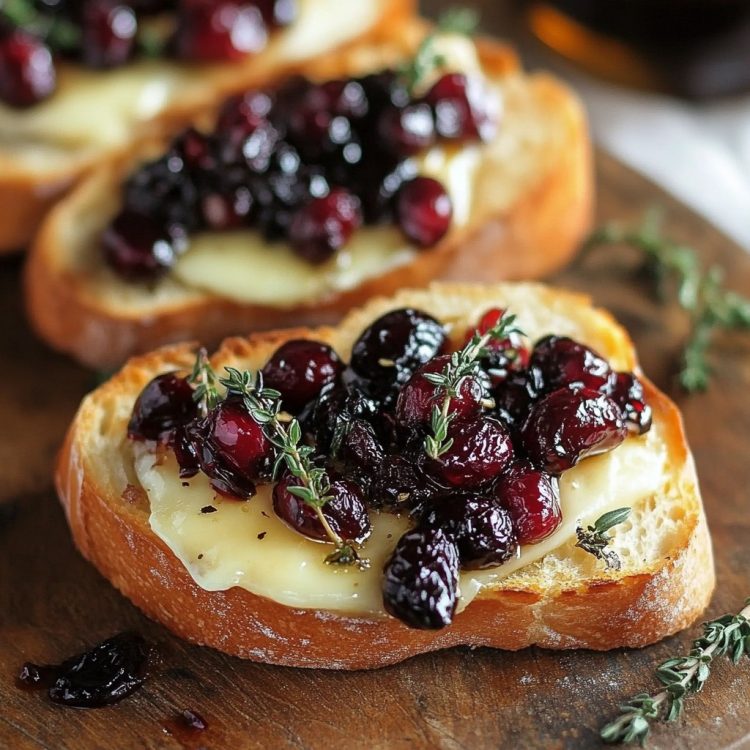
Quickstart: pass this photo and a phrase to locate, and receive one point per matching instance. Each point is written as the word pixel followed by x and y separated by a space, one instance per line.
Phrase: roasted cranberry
pixel 226 211
pixel 165 403
pixel 396 344
pixel 360 447
pixel 137 247
pixel 419 396
pixel 629 396
pixel 424 211
pixel 482 530
pixel 420 584
pixel 211 30
pixel 503 355
pixel 562 361
pixel 27 72
pixel 195 149
pixel 324 225
pixel 532 497
pixel 408 130
pixel 398 483
pixel 345 512
pixel 570 424
pixel 108 28
pixel 299 370
pixel 515 396
pixel 480 450
pixel 240 117
pixel 463 107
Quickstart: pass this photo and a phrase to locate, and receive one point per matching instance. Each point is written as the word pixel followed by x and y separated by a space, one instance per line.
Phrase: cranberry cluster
pixel 307 162
pixel 105 34
pixel 520 419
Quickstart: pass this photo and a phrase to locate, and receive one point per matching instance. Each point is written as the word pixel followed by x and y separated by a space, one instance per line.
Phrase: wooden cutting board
pixel 53 604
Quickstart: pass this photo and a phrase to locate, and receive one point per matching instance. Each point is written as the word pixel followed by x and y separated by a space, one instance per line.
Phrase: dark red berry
pixel 137 247
pixel 482 530
pixel 481 449
pixel 217 30
pixel 408 130
pixel 396 344
pixel 360 447
pixel 222 211
pixel 424 211
pixel 397 483
pixel 108 30
pixel 561 361
pixel 240 117
pixel 324 225
pixel 515 396
pixel 164 404
pixel 532 497
pixel 27 71
pixel 420 585
pixel 345 512
pixel 628 394
pixel 299 370
pixel 570 424
pixel 463 107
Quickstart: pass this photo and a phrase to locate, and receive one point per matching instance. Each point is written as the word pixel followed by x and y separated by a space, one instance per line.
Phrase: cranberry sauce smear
pixel 306 163
pixel 517 418
pixel 104 675
pixel 102 34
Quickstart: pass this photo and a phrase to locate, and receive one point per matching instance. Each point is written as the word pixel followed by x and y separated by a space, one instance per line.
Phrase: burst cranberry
pixel 482 530
pixel 164 404
pixel 464 108
pixel 408 130
pixel 532 498
pixel 27 71
pixel 345 512
pixel 479 452
pixel 208 30
pixel 396 344
pixel 299 370
pixel 629 396
pixel 570 424
pixel 361 448
pixel 108 29
pixel 424 211
pixel 324 225
pixel 398 483
pixel 564 362
pixel 138 248
pixel 420 585
pixel 419 396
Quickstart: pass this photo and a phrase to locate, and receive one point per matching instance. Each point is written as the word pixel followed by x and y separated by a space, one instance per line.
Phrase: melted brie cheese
pixel 245 544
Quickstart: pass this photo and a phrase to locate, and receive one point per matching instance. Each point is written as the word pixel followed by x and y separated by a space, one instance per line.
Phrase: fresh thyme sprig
pixel 595 539
pixel 462 363
pixel 205 383
pixel 701 293
pixel 728 635
pixel 285 433
pixel 427 58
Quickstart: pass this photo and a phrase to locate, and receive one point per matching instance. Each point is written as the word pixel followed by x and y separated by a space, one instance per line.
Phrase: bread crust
pixel 536 236
pixel 26 197
pixel 601 614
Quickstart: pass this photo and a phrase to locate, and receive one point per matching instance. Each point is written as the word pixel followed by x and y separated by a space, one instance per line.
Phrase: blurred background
pixel 666 84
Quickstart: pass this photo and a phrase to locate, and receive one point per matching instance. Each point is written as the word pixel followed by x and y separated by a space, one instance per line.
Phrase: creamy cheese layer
pixel 244 544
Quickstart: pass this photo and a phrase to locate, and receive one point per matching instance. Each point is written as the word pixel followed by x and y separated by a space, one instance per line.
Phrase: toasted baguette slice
pixel 45 149
pixel 532 205
pixel 566 599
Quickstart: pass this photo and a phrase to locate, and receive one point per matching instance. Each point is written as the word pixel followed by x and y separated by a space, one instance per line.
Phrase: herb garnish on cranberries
pixel 594 539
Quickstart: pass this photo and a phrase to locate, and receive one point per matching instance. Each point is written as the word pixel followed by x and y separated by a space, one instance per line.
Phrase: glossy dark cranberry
pixel 482 530
pixel 424 211
pixel 481 449
pixel 419 396
pixel 515 396
pixel 532 497
pixel 217 30
pixel 360 447
pixel 561 361
pixel 195 148
pixel 102 676
pixel 164 404
pixel 27 71
pixel 108 30
pixel 628 394
pixel 398 483
pixel 396 344
pixel 570 424
pixel 222 211
pixel 137 247
pixel 464 107
pixel 345 511
pixel 420 585
pixel 324 225
pixel 408 130
pixel 240 117
pixel 299 370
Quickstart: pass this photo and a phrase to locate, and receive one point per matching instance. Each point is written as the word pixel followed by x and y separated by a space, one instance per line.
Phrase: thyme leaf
pixel 595 539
